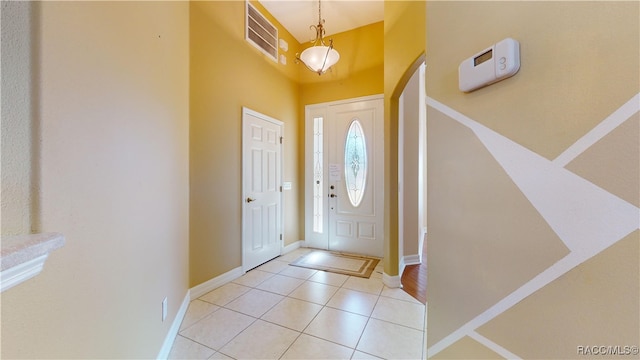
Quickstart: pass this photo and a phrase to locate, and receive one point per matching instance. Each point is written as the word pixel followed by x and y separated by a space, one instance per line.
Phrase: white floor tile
pixel 298 272
pixel 254 303
pixel 224 294
pixel 184 348
pixel 359 355
pixel 273 266
pixel 391 341
pixel 371 285
pixel 400 312
pixel 294 255
pixel 337 326
pixel 378 271
pixel 328 278
pixel 279 284
pixel 197 310
pixel 309 347
pixel 253 278
pixel 292 313
pixel 220 356
pixel 218 328
pixel 399 294
pixel 353 301
pixel 358 313
pixel 261 340
pixel 315 292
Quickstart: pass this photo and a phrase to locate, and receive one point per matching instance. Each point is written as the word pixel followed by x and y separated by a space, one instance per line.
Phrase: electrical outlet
pixel 164 309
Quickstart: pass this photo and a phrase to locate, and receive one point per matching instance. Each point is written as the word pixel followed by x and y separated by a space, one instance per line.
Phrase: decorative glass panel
pixel 318 171
pixel 355 162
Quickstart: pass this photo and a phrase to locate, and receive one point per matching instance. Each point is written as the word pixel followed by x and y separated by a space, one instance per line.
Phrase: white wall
pixel 111 99
pixel 18 178
pixel 411 140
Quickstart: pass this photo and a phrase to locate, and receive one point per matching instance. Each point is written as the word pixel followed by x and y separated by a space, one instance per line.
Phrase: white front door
pixel 261 188
pixel 344 194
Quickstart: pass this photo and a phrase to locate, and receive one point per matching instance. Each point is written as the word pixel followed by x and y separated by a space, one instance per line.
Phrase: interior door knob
pixel 333 195
pixel 250 199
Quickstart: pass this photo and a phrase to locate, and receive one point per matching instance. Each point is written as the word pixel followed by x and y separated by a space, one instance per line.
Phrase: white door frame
pixel 412 179
pixel 311 111
pixel 280 225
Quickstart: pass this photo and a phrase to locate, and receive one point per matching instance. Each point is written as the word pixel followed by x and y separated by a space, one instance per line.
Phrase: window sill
pixel 23 256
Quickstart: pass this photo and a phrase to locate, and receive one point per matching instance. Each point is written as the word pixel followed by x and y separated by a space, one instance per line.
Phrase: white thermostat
pixel 498 62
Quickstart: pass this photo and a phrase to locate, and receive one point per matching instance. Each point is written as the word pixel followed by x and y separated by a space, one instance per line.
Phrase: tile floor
pixel 277 311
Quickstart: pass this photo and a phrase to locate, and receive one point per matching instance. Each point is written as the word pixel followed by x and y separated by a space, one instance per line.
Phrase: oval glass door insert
pixel 355 162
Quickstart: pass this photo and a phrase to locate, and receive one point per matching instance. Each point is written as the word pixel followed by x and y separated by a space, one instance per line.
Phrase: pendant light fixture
pixel 319 57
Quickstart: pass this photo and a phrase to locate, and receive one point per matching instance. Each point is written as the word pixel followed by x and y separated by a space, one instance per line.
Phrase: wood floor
pixel 414 278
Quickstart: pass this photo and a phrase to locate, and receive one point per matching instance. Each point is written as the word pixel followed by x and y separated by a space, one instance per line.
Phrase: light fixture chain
pixel 311 57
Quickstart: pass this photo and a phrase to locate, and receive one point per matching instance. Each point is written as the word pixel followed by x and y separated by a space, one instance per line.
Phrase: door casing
pixel 274 229
pixel 327 112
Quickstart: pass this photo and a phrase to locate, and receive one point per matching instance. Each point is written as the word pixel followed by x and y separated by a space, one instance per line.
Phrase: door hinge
pixel 280 236
pixel 281 139
pixel 280 188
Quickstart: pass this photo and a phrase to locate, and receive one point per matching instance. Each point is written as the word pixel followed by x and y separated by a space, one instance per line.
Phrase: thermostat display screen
pixel 485 67
pixel 482 58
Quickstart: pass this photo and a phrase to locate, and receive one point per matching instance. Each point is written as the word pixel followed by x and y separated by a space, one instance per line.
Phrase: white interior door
pixel 261 189
pixel 344 193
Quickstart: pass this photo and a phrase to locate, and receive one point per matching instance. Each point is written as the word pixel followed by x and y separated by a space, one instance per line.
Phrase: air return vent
pixel 261 33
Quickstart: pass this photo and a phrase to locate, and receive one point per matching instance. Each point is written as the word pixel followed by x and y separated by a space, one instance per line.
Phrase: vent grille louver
pixel 261 33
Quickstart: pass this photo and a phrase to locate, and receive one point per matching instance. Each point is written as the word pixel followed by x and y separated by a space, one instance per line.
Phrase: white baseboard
pixel 194 293
pixel 401 266
pixel 175 327
pixel 408 260
pixel 411 259
pixel 391 281
pixel 215 283
pixel 421 243
pixel 289 248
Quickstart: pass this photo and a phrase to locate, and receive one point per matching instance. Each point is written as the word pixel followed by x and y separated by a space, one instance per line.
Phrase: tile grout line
pixel 367 323
pixel 308 280
pixel 258 318
pixel 314 317
pixel 199 343
pixel 302 331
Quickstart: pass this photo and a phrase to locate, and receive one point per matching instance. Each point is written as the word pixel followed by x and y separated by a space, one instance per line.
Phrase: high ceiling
pixel 340 15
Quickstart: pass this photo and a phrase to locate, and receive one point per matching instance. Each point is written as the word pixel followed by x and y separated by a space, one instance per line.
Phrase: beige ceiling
pixel 340 15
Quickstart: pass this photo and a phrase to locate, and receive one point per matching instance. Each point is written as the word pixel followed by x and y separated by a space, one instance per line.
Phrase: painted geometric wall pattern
pixel 601 282
pixel 502 240
pixel 585 216
pixel 609 160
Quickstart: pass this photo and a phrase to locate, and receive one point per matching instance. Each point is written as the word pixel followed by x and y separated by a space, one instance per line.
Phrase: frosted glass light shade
pixel 314 58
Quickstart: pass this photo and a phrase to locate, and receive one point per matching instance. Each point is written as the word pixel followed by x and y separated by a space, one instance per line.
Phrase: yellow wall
pixel 228 73
pixel 110 99
pixel 279 91
pixel 404 47
pixel 291 70
pixel 360 72
pixel 140 160
pixel 360 50
pixel 518 191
